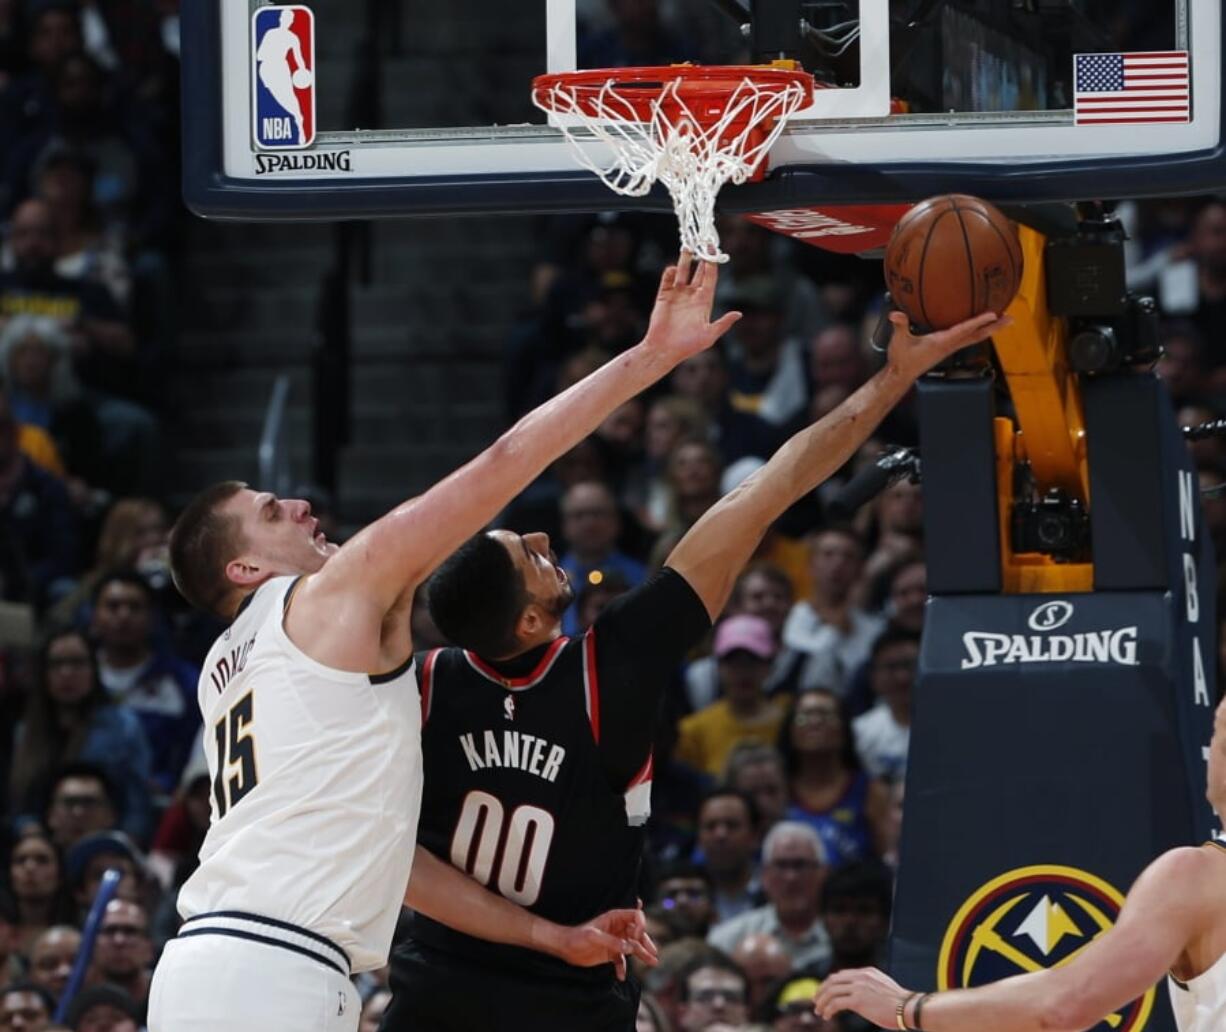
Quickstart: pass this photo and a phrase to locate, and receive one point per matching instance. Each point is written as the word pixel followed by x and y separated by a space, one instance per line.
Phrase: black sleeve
pixel 641 639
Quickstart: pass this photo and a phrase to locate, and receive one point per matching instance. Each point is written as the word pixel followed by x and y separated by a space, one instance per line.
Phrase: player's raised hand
pixel 681 319
pixel 913 356
pixel 609 939
pixel 872 994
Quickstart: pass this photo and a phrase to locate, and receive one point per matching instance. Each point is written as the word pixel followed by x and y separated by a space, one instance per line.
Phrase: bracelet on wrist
pixel 900 1012
pixel 919 1008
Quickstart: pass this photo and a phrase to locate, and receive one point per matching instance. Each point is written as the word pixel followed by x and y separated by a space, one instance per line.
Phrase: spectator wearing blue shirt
pixel 159 687
pixel 69 719
pixel 591 525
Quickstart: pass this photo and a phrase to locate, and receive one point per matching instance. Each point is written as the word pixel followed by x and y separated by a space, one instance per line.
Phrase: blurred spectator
pixel 765 961
pixel 670 420
pixel 174 853
pixel 40 891
pixel 70 718
pixel 10 933
pixel 1184 365
pixel 762 590
pixel 81 801
pixel 103 345
pixel 590 527
pixel 744 648
pixel 538 507
pixel 601 588
pixel 54 32
pixel 828 628
pixel 123 955
pixel 373 1008
pixel 651 1016
pixel 693 483
pixel 757 770
pixel 899 528
pixel 713 991
pixel 684 890
pixel 133 536
pixel 892 827
pixel 830 791
pixel 128 185
pixel 88 250
pixel 104 1008
pixel 51 958
pixel 793 868
pixel 703 378
pixel 856 901
pixel 636 38
pixel 766 373
pixel 664 981
pixel 1201 296
pixel 793 1008
pixel 25 1007
pixel 835 358
pixel 728 824
pixel 883 734
pixel 87 861
pixel 148 678
pixel 907 594
pixel 38 531
pixel 757 252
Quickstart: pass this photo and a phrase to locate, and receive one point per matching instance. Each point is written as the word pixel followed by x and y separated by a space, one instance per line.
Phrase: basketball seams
pixel 972 271
pixel 923 265
pixel 1010 246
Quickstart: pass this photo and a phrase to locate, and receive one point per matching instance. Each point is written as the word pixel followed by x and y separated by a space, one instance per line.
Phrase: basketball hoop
pixel 691 127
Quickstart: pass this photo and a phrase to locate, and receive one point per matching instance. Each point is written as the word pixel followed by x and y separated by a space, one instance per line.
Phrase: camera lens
pixel 1053 531
pixel 1093 349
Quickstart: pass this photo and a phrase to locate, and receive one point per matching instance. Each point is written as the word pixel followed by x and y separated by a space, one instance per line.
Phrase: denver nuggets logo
pixel 1029 919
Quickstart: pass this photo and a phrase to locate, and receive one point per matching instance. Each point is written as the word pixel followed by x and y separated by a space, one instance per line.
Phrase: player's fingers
pixel 724 323
pixel 668 280
pixel 900 320
pixel 684 267
pixel 619 967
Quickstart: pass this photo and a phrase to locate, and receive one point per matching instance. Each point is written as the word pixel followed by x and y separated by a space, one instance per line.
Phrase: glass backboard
pixel 1015 100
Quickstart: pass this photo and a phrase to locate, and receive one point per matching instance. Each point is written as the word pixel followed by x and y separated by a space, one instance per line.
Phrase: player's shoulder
pixel 1187 874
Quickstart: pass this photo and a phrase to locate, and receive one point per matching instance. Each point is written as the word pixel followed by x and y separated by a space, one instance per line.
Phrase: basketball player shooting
pixel 274 70
pixel 1173 922
pixel 312 725
pixel 537 748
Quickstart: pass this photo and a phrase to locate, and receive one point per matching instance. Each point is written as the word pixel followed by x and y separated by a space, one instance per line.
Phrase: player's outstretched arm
pixel 1164 912
pixel 442 893
pixel 717 547
pixel 401 549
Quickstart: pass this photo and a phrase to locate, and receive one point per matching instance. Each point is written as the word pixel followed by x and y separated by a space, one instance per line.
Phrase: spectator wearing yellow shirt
pixel 744 648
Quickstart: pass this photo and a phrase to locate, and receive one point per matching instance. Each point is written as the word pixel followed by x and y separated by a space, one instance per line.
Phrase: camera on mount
pixel 1109 327
pixel 1056 525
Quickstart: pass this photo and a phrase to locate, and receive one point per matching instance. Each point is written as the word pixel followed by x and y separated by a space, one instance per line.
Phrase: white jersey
pixel 316 777
pixel 1200 1004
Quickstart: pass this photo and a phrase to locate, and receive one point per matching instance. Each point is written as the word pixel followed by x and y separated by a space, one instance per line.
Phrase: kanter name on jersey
pixel 516 751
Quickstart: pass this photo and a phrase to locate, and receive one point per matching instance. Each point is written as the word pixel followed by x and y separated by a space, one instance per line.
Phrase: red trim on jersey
pixel 515 683
pixel 644 773
pixel 427 683
pixel 591 683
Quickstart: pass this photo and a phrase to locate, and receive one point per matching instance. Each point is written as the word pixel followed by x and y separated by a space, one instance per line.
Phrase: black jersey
pixel 538 771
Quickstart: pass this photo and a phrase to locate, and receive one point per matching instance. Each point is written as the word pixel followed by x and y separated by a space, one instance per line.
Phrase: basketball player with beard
pixel 537 747
pixel 1173 923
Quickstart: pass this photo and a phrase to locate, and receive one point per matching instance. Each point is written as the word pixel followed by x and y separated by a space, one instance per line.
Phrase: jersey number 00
pixel 525 852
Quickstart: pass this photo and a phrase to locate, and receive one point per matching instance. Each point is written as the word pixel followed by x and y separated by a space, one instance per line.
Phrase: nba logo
pixel 283 77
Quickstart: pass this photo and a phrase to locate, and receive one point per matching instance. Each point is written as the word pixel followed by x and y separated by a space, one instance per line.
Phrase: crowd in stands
pixel 782 747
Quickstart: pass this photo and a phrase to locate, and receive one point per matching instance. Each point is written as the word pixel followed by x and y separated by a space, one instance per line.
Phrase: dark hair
pixel 892 635
pixel 725 791
pixel 762 568
pixel 29 987
pixel 9 914
pixel 122 576
pixel 202 541
pixel 81 769
pixel 683 868
pixel 838 527
pixel 43 743
pixel 861 879
pixel 847 754
pixel 476 597
pixel 714 959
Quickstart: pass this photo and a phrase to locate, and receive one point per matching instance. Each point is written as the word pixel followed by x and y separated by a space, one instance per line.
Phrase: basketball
pixel 951 258
pixel 302 79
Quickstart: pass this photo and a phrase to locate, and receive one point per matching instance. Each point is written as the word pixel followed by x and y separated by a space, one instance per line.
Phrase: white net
pixel 693 161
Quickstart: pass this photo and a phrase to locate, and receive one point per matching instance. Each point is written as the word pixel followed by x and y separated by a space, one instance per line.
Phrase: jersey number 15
pixel 235 750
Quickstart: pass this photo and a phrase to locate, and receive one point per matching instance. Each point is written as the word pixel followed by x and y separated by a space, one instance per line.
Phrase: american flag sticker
pixel 1124 89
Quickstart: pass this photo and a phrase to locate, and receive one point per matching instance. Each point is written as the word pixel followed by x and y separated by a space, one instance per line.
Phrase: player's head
pixel 231 539
pixel 1217 763
pixel 500 594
